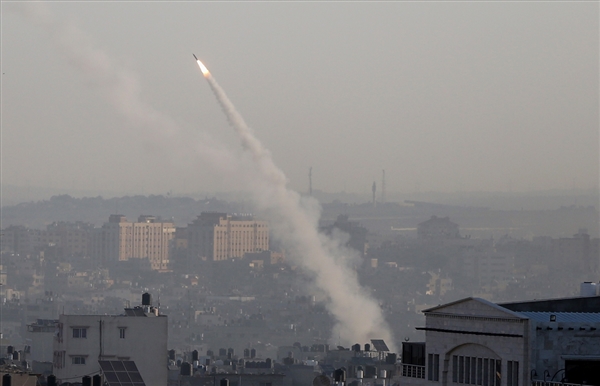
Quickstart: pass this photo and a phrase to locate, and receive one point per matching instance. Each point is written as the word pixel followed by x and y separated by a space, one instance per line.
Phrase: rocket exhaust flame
pixel 202 66
pixel 297 226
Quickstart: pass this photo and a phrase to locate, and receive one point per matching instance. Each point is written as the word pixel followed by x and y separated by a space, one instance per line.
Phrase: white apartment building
pixel 139 335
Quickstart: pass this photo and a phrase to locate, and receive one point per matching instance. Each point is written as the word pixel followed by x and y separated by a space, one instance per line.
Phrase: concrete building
pixel 473 341
pixel 221 236
pixel 139 335
pixel 579 252
pixel 40 337
pixel 148 238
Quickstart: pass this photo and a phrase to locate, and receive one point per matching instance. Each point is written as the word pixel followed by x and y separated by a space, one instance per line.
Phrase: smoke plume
pixel 294 220
pixel 358 316
pixel 120 87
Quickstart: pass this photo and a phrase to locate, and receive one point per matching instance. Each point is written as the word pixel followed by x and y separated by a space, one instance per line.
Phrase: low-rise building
pixel 475 342
pixel 138 335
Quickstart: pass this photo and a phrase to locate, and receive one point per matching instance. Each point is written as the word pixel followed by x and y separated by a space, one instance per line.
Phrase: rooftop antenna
pixel 383 187
pixel 310 181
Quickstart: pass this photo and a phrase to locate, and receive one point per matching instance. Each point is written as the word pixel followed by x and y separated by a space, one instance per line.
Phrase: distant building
pixel 437 228
pixel 579 252
pixel 148 238
pixel 357 233
pixel 221 236
pixel 139 335
pixel 475 342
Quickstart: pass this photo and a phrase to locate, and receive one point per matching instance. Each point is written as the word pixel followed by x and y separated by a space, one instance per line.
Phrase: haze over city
pixel 294 193
pixel 443 96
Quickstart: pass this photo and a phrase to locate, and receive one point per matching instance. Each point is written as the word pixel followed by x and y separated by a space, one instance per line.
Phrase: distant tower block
pixel 374 189
pixel 310 181
pixel 383 187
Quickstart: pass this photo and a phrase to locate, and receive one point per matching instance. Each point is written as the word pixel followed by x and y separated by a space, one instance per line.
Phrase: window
pixel 475 371
pixel 454 368
pixel 80 332
pixel 512 373
pixel 78 360
pixel 121 332
pixel 433 367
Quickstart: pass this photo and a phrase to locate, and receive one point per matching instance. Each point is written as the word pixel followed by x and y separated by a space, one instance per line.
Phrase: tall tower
pixel 310 181
pixel 383 187
pixel 374 189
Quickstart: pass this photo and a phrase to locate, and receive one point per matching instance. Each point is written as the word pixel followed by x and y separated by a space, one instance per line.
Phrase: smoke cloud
pixel 358 316
pixel 120 87
pixel 294 219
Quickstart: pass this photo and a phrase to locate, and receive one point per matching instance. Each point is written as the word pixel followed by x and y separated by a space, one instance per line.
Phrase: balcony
pixel 416 371
pixel 551 383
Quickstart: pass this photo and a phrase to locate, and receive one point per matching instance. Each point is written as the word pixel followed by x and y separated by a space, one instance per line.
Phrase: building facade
pixel 140 335
pixel 221 236
pixel 148 238
pixel 475 342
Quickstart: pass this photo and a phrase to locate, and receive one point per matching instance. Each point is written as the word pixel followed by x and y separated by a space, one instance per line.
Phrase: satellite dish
pixel 321 380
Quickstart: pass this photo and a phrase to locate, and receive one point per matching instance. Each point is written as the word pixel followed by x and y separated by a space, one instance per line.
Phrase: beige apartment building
pixel 148 238
pixel 221 236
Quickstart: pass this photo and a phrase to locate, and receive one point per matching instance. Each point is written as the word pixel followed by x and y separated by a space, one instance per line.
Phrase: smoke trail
pixel 120 87
pixel 358 316
pixel 296 222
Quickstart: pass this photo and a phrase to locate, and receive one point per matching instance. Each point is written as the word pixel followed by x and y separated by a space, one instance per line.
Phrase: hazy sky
pixel 451 96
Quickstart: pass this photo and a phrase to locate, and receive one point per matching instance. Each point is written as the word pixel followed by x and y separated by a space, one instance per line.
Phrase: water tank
pixel 224 382
pixel 360 374
pixel 246 353
pixel 51 380
pixel 269 363
pixel 588 289
pixel 253 353
pixel 195 356
pixel 370 372
pixel 186 369
pixel 146 299
pixel 172 355
pixel 356 348
pixel 367 347
pixel 86 380
pixel 16 356
pixel 222 352
pixel 10 349
pixel 391 358
pixel 339 375
pixel 230 351
pixel 383 374
pixel 96 380
pixel 6 380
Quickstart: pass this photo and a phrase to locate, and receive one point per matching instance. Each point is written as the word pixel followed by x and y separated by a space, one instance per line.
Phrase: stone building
pixel 148 238
pixel 222 236
pixel 476 342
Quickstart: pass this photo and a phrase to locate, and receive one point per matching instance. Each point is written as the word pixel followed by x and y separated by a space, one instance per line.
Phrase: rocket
pixel 195 56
